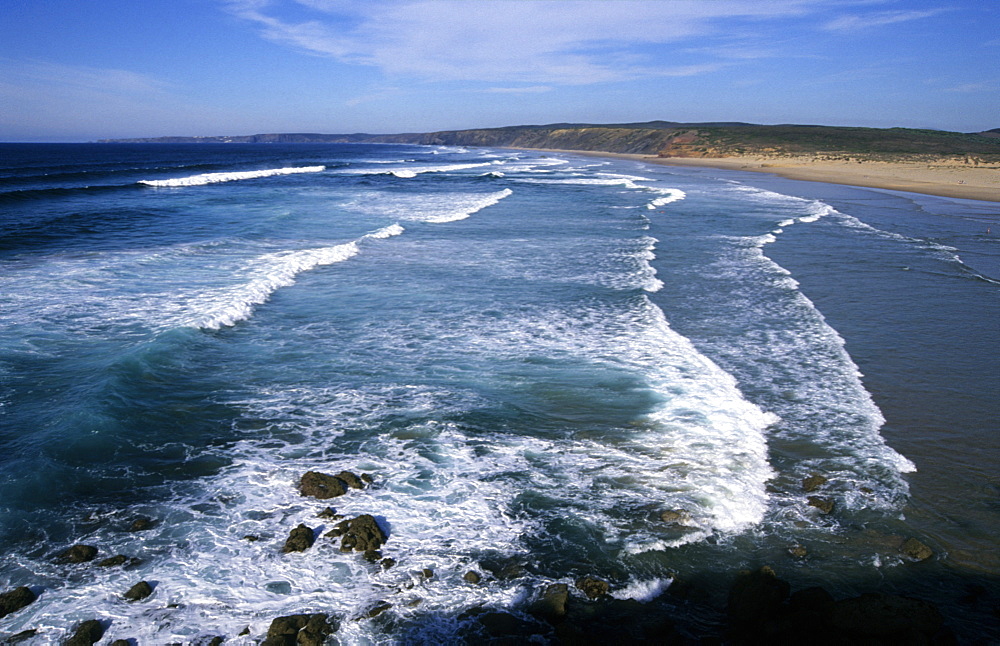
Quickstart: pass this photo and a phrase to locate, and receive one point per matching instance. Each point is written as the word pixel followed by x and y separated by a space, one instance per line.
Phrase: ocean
pixel 551 366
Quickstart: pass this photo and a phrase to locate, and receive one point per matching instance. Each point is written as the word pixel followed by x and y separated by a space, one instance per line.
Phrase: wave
pixel 270 272
pixel 411 172
pixel 471 207
pixel 670 195
pixel 213 178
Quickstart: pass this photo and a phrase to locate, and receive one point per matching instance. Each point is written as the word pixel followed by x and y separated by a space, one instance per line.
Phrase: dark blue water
pixel 533 355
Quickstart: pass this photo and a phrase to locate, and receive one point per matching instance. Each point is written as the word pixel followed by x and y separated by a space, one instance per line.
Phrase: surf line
pixel 228 306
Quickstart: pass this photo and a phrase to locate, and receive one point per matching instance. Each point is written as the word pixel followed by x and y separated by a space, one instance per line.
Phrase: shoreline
pixel 942 180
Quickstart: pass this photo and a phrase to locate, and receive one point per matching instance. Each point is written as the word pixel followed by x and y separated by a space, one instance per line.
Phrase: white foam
pixel 670 195
pixel 434 208
pixel 213 178
pixel 410 172
pixel 644 591
pixel 227 306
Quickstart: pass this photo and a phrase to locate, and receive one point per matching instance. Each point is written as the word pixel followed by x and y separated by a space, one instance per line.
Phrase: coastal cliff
pixel 679 140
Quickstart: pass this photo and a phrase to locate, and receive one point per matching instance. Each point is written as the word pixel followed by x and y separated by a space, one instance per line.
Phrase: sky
pixel 81 70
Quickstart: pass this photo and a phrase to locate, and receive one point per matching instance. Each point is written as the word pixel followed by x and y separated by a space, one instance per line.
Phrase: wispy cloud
pixel 982 86
pixel 878 19
pixel 541 42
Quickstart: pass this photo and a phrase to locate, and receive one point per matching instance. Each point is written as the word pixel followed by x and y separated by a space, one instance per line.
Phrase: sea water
pixel 533 355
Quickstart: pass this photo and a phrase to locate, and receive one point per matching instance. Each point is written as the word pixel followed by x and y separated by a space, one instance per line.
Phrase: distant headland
pixel 937 162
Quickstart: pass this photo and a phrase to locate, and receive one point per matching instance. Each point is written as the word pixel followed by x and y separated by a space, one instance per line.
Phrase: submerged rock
pixel 914 549
pixel 86 634
pixel 551 603
pixel 119 560
pixel 299 630
pixel 141 524
pixel 138 592
pixel 359 534
pixel 16 599
pixel 79 554
pixel 377 609
pixel 22 636
pixel 825 505
pixel 813 482
pixel 675 516
pixel 472 577
pixel 299 540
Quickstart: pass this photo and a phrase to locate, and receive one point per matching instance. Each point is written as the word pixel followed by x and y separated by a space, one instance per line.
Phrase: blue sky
pixel 77 70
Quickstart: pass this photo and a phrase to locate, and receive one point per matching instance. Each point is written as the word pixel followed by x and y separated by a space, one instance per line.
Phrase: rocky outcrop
pixel 325 486
pixel 15 599
pixel 551 603
pixel 813 482
pixel 299 540
pixel 86 634
pixel 138 592
pixel 79 554
pixel 299 630
pixel 592 587
pixel 360 534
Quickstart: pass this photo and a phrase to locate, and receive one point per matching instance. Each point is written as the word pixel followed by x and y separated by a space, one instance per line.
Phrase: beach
pixel 943 178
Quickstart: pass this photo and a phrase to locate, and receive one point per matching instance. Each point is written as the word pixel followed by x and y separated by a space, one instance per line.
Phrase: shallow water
pixel 533 355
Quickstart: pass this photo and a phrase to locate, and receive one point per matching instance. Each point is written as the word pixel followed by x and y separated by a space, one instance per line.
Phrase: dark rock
pixel 825 505
pixel 119 560
pixel 86 634
pixel 15 599
pixel 329 514
pixel 120 642
pixel 377 609
pixel 886 615
pixel 472 577
pixel 387 563
pixel 427 573
pixel 813 482
pixel 551 604
pixel 372 556
pixel 360 534
pixel 914 549
pixel 797 551
pixel 79 554
pixel 299 630
pixel 499 624
pixel 367 479
pixel 138 592
pixel 504 569
pixel 251 538
pixel 141 524
pixel 22 636
pixel 814 599
pixel 299 540
pixel 351 480
pixel 756 596
pixel 593 588
pixel 676 516
pixel 322 486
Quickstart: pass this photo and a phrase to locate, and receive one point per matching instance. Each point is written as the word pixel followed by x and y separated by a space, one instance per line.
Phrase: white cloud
pixel 540 42
pixel 880 19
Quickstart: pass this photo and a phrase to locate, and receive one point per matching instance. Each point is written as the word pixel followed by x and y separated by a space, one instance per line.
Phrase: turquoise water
pixel 533 355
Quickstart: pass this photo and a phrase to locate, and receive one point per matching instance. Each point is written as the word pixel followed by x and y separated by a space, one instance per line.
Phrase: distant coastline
pixel 934 162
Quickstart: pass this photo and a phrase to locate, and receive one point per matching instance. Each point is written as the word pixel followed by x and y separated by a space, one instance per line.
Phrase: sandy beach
pixel 946 178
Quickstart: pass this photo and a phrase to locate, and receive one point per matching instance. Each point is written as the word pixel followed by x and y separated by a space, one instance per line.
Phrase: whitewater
pixel 550 368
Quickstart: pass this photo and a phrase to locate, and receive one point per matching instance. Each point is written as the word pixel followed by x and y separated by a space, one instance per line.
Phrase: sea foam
pixel 214 178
